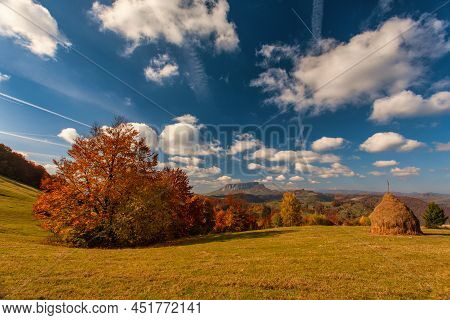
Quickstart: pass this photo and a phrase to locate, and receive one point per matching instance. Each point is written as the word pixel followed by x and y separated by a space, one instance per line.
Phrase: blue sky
pixel 368 80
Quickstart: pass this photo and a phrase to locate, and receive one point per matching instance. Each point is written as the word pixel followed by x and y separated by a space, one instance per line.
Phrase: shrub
pixel 434 216
pixel 316 219
pixel 276 220
pixel 290 210
pixel 263 215
pixel 364 221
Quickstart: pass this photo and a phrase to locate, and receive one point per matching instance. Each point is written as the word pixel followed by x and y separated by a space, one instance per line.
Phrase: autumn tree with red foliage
pixel 233 215
pixel 109 193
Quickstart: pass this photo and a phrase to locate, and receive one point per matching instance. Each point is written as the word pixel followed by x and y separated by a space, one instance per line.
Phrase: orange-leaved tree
pixel 109 193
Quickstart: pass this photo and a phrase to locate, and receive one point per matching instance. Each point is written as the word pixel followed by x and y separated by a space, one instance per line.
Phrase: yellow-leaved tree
pixel 291 210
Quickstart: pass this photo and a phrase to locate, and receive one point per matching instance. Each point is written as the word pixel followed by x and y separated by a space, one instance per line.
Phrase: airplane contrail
pixel 317 17
pixel 14 99
pixel 33 139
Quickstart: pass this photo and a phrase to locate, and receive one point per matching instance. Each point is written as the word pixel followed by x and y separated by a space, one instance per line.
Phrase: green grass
pixel 315 262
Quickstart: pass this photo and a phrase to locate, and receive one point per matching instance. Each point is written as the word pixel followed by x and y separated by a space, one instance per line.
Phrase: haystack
pixel 392 216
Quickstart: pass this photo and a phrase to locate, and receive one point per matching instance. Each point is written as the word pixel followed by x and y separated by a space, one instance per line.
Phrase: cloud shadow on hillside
pixel 223 237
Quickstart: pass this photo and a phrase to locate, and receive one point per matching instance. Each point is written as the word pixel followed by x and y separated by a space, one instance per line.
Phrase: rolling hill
pixel 311 262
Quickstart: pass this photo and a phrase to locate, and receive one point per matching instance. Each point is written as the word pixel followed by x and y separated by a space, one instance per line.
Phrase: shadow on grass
pixel 439 233
pixel 223 237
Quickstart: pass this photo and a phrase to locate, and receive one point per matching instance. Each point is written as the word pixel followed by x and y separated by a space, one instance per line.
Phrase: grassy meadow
pixel 316 262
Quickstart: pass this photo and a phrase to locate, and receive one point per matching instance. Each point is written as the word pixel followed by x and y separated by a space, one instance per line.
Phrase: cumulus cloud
pixel 50 167
pixel 384 141
pixel 385 163
pixel 296 178
pixel 334 171
pixel 27 34
pixel 161 68
pixel 174 21
pixel 442 146
pixel 326 143
pixel 305 156
pixel 187 160
pixel 404 172
pixel 407 104
pixel 243 143
pixel 197 172
pixel 147 133
pixel 255 166
pixel 280 178
pixel 377 173
pixel 324 82
pixel 4 77
pixel 441 84
pixel 274 53
pixel 184 138
pixel 69 135
pixel 263 153
pixel 274 169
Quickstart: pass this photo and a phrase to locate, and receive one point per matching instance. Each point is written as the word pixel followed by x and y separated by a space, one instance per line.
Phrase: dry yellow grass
pixel 316 262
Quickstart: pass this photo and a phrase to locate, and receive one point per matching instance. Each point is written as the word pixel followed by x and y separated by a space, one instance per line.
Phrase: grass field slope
pixel 315 262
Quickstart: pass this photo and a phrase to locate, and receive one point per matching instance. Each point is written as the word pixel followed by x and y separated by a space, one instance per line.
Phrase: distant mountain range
pixel 250 191
pixel 257 192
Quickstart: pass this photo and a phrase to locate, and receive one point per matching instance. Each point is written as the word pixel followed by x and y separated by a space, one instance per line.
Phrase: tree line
pixel 109 193
pixel 13 165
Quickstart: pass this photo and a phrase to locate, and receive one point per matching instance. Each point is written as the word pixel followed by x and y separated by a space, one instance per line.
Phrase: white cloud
pixel 334 171
pixel 4 77
pixel 192 170
pixel 410 145
pixel 161 68
pixel 144 132
pixel 407 104
pixel 187 160
pixel 442 146
pixel 175 21
pixel 385 163
pixel 273 169
pixel 441 84
pixel 196 172
pixel 26 33
pixel 296 178
pixel 326 143
pixel 276 52
pixel 263 153
pixel 69 135
pixel 384 141
pixel 377 173
pixel 227 179
pixel 325 82
pixel 407 171
pixel 305 156
pixel 187 118
pixel 255 166
pixel 243 143
pixel 280 178
pixel 50 167
pixel 147 133
pixel 184 138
